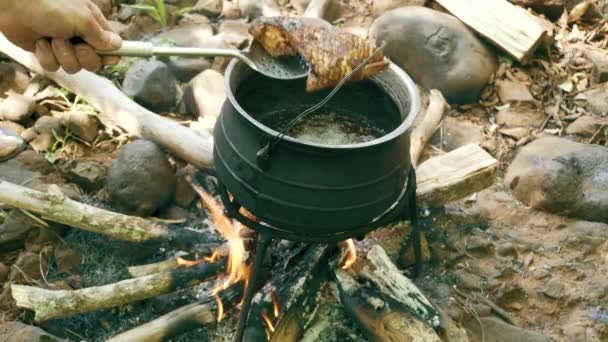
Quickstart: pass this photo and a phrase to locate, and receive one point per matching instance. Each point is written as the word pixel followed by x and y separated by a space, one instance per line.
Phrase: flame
pixel 220 308
pixel 268 321
pixel 275 304
pixel 351 255
pixel 215 256
pixel 188 263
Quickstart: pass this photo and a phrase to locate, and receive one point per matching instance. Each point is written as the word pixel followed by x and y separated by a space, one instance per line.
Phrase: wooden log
pixel 502 23
pixel 184 319
pixel 385 303
pixel 117 109
pixel 173 263
pixel 455 175
pixel 56 207
pixel 427 124
pixel 49 304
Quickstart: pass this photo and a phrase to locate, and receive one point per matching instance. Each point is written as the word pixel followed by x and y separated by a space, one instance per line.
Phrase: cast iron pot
pixel 313 192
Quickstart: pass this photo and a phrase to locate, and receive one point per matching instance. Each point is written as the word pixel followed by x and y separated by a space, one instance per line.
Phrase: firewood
pixel 426 124
pixel 117 109
pixel 55 207
pixel 505 25
pixel 455 175
pixel 50 304
pixel 173 263
pixel 184 319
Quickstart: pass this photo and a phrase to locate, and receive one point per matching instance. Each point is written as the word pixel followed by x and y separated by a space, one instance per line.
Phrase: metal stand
pixel 262 244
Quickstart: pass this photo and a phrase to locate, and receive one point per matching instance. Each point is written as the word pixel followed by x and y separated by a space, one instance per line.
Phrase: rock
pixel 184 194
pixel 457 133
pixel 597 99
pixel 230 10
pixel 503 332
pixel 125 13
pixel 211 8
pixel 19 332
pixel 29 134
pixel 34 162
pixel 48 125
pixel 174 213
pixel 194 19
pixel 561 176
pixel 88 174
pixel 599 59
pixel 67 259
pixel 586 125
pixel 42 142
pixel 467 280
pixel 554 289
pixel 235 32
pixel 506 249
pixel 141 180
pixel 551 8
pixel 516 133
pixel 379 7
pixel 151 84
pixel 13 126
pixel 205 94
pixel 13 77
pixel 17 107
pixel 13 233
pixel 16 171
pixel 83 125
pixel 520 117
pixel 29 266
pixel 105 6
pixel 189 35
pixel 514 92
pixel 3 272
pixel 252 9
pixel 437 50
pixel 186 68
pixel 11 144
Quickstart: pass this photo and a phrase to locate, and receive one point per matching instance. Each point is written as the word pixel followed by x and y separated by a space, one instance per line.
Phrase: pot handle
pixel 262 157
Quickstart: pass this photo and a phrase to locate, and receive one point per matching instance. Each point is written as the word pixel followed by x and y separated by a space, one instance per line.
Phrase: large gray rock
pixel 141 180
pixel 437 50
pixel 151 84
pixel 562 176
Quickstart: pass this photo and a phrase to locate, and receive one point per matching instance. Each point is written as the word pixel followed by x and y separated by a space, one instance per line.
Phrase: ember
pixel 220 308
pixel 268 321
pixel 351 255
pixel 275 304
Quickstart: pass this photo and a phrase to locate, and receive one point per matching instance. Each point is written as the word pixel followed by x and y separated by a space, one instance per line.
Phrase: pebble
pixel 520 117
pixel 506 249
pixel 42 142
pixel 151 84
pixel 586 125
pixel 48 125
pixel 83 125
pixel 514 92
pixel 88 174
pixel 554 289
pixel 17 107
pixel 140 179
pixel 11 144
pixel 561 176
pixel 437 50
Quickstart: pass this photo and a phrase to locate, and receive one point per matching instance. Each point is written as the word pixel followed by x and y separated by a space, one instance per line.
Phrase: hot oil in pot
pixel 359 112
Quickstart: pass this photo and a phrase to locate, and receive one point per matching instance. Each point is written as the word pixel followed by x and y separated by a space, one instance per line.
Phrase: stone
pixel 42 142
pixel 125 13
pixel 251 9
pixel 561 176
pixel 29 266
pixel 554 289
pixel 599 59
pixel 16 171
pixel 597 99
pixel 174 213
pixel 151 84
pixel 235 32
pixel 379 7
pixel 230 10
pixel 19 332
pixel 586 125
pixel 48 125
pixel 501 331
pixel 437 50
pixel 141 180
pixel 506 249
pixel 13 126
pixel 467 280
pixel 553 9
pixel 67 259
pixel 184 194
pixel 83 125
pixel 105 6
pixel 186 68
pixel 35 162
pixel 516 133
pixel 4 270
pixel 457 133
pixel 188 35
pixel 13 77
pixel 211 8
pixel 11 144
pixel 17 107
pixel 88 174
pixel 205 94
pixel 520 117
pixel 514 92
pixel 13 233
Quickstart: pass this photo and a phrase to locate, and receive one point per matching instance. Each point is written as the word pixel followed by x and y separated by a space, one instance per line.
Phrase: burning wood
pixel 351 255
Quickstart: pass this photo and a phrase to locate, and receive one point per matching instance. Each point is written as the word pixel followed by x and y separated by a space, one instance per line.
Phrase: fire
pixel 268 321
pixel 275 304
pixel 215 256
pixel 220 308
pixel 188 263
pixel 351 255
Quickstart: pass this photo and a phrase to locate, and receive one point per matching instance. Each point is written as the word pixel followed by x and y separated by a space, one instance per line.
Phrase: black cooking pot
pixel 306 191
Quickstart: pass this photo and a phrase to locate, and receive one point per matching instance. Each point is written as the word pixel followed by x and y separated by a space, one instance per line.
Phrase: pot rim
pixel 406 80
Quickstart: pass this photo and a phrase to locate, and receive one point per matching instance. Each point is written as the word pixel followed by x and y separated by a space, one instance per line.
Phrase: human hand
pixel 46 27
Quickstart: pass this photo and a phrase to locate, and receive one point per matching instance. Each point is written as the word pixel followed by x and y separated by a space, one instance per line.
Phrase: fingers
pixel 96 31
pixel 87 57
pixel 66 55
pixel 45 55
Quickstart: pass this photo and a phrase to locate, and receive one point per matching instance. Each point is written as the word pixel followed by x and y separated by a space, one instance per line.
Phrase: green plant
pixel 156 10
pixel 58 146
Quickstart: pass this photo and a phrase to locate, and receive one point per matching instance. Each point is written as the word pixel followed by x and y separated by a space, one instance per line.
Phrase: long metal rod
pixel 146 49
pixel 262 244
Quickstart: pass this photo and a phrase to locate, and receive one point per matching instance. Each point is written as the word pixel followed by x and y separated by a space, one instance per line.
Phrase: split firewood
pixel 455 175
pixel 505 25
pixel 117 109
pixel 54 206
pixel 50 304
pixel 203 313
pixel 427 124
